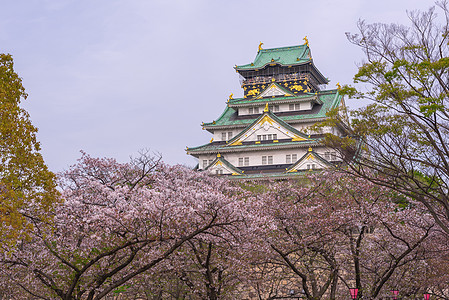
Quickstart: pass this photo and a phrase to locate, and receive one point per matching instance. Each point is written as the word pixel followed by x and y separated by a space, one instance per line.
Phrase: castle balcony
pixel 280 78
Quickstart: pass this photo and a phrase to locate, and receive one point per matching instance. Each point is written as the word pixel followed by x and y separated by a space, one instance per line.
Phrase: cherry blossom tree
pixel 119 222
pixel 200 269
pixel 145 229
pixel 332 232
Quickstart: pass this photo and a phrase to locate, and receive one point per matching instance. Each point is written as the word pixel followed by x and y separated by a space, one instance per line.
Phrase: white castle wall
pixel 255 157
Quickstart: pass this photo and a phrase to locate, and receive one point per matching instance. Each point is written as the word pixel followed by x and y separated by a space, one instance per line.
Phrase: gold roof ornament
pixel 338 86
pixel 231 96
pixel 266 109
pixel 211 140
pixel 310 149
pixel 218 155
pixel 260 46
pixel 306 41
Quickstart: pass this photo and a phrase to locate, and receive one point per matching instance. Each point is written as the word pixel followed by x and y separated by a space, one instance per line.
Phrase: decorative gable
pixel 222 167
pixel 310 161
pixel 269 125
pixel 274 90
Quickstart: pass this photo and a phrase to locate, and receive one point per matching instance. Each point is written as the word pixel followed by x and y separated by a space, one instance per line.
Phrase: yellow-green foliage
pixel 27 187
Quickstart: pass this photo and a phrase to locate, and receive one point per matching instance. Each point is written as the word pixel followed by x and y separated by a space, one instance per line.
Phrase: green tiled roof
pixel 285 56
pixel 219 146
pixel 265 100
pixel 268 176
pixel 330 99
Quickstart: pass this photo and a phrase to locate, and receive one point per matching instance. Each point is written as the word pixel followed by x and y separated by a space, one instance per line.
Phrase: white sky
pixel 112 77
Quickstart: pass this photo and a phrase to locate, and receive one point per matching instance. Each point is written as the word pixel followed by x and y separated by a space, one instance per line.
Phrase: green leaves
pixel 405 130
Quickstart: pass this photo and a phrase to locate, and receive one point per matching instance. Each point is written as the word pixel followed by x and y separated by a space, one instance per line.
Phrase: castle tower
pixel 264 134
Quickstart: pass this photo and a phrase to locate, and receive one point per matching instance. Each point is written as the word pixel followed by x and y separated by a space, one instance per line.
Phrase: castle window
pixel 204 163
pixel 219 172
pixel 295 106
pixel 291 158
pixel 311 166
pixel 210 161
pixel 223 136
pixel 274 108
pixel 267 137
pixel 243 161
pixel 267 160
pixel 253 110
pixel 333 156
pixel 330 155
pixel 229 135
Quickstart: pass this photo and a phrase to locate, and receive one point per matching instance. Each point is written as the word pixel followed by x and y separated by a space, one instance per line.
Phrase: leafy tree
pixel 404 132
pixel 27 187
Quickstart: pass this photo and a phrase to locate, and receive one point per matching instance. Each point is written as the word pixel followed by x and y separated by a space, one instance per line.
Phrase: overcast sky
pixel 112 77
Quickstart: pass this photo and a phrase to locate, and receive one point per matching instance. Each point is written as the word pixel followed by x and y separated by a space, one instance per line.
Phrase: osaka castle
pixel 265 133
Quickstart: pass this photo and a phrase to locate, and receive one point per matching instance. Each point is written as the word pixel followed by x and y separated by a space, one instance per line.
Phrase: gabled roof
pixel 220 160
pixel 280 90
pixel 330 99
pixel 245 102
pixel 310 155
pixel 215 147
pixel 271 176
pixel 284 56
pixel 268 116
pixel 295 138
